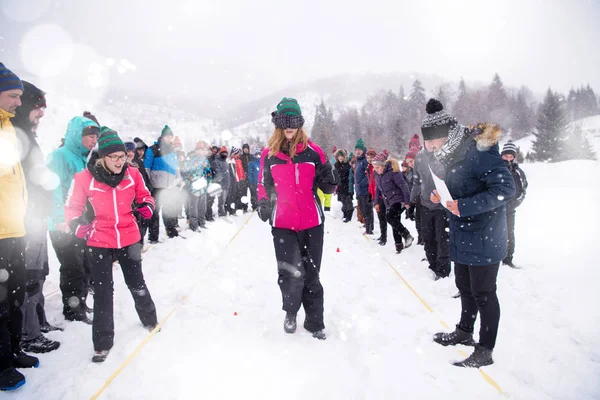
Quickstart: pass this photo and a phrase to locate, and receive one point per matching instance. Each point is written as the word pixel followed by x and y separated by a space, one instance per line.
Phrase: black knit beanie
pixel 437 122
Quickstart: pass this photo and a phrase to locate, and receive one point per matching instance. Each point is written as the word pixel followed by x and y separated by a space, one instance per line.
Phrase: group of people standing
pixel 95 196
pixel 474 230
pixel 109 191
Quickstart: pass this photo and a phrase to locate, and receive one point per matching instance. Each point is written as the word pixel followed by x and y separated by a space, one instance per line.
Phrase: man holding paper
pixel 480 185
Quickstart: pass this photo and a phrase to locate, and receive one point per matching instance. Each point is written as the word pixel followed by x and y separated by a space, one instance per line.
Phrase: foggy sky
pixel 237 50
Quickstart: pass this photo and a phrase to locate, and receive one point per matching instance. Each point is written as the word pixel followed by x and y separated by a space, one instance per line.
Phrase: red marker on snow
pixel 235 314
pixel 338 250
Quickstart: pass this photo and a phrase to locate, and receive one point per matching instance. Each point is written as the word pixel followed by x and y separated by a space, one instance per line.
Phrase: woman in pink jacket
pixel 292 168
pixel 112 232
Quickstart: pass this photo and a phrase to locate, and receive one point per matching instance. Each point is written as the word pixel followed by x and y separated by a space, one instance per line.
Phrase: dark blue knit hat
pixel 8 80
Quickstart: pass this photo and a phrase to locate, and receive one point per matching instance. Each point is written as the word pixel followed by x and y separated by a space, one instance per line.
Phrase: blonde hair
pixel 277 140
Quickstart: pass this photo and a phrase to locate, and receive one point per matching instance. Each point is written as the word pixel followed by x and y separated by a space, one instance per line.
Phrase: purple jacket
pixel 392 185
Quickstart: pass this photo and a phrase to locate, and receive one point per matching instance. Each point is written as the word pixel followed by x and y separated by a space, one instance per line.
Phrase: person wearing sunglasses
pixel 111 187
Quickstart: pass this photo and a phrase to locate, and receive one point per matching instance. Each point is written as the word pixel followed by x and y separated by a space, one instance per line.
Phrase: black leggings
pixel 477 285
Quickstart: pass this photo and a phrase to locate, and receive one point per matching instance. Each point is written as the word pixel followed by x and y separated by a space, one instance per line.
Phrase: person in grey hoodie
pixel 434 221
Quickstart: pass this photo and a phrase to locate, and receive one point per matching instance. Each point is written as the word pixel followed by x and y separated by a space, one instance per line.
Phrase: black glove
pixel 264 209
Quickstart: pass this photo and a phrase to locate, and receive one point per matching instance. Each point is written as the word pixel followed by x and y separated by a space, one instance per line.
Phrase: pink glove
pixel 83 230
pixel 145 212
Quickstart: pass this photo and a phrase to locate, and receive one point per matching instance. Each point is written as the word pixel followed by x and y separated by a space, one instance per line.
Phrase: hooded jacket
pixel 344 171
pixel 13 190
pixel 478 178
pixel 65 162
pixel 391 185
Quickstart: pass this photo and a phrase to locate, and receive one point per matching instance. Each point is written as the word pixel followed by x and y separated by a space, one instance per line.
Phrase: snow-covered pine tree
pixel 461 108
pixel 523 117
pixel 577 146
pixel 416 106
pixel 551 130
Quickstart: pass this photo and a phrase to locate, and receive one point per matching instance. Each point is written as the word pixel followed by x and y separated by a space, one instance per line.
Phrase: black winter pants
pixel 12 296
pixel 70 251
pixel 510 225
pixel 434 225
pixel 347 206
pixel 142 224
pixel 210 200
pixel 223 207
pixel 299 263
pixel 418 220
pixel 477 285
pixel 253 195
pixel 365 203
pixel 394 218
pixel 241 192
pixel 381 215
pixel 168 200
pixel 130 259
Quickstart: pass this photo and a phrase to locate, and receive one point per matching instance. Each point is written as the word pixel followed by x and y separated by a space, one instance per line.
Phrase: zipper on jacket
pixel 116 218
pixel 297 175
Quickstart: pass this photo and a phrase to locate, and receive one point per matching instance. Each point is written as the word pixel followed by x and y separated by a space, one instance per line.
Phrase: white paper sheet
pixel 442 189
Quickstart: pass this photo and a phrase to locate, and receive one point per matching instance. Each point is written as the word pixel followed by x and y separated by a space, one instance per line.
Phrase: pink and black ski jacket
pixel 114 225
pixel 291 184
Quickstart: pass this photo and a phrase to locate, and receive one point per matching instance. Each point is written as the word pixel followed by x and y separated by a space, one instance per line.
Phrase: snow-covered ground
pixel 225 338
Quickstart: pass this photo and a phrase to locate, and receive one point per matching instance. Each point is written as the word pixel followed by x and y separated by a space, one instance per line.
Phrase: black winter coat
pixel 478 178
pixel 344 170
pixel 520 185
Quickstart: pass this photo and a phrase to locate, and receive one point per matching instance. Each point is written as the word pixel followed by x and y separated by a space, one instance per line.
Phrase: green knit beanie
pixel 289 106
pixel 109 142
pixel 360 145
pixel 288 114
pixel 166 131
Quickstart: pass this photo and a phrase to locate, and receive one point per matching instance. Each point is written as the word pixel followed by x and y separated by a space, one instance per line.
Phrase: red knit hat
pixel 371 152
pixel 334 149
pixel 201 145
pixel 224 150
pixel 379 159
pixel 415 141
pixel 412 153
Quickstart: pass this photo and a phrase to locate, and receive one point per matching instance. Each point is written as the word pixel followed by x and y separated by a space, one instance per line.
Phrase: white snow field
pixel 379 333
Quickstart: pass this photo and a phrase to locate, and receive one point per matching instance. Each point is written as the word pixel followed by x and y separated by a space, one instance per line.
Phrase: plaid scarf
pixel 457 134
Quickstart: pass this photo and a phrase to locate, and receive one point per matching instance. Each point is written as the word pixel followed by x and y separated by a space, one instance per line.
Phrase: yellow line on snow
pixel 485 376
pixel 143 344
